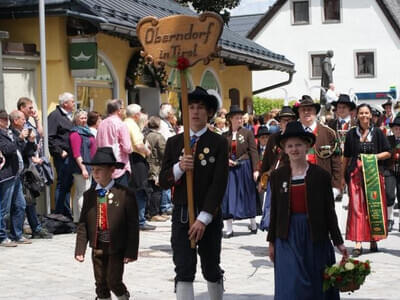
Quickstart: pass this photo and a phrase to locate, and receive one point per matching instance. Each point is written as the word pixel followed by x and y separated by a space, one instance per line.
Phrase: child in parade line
pixel 365 138
pixel 299 242
pixel 109 222
pixel 209 163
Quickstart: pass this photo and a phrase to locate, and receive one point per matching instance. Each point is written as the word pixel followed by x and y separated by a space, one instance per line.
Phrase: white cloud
pixel 252 7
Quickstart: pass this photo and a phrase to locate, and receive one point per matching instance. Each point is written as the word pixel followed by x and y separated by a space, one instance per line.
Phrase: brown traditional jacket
pixel 272 154
pixel 246 146
pixel 332 164
pixel 210 171
pixel 123 222
pixel 319 201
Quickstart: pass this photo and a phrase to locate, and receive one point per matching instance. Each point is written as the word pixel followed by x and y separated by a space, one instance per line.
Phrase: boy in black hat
pixel 343 121
pixel 109 222
pixel 387 117
pixel 209 163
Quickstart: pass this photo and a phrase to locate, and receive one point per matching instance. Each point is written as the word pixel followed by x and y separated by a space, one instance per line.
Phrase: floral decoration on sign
pixel 347 276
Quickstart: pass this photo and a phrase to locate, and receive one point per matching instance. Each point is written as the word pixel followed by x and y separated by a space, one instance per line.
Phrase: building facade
pixel 364 36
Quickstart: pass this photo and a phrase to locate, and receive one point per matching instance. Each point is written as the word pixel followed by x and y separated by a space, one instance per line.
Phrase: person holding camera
pixel 25 105
pixel 17 144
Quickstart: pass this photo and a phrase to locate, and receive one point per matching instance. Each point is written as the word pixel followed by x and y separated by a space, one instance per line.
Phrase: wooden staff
pixel 187 150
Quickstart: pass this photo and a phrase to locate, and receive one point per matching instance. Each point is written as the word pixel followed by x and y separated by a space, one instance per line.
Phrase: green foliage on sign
pixel 264 105
pixel 218 6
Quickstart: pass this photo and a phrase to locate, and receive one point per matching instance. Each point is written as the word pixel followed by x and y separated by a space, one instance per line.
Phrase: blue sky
pixel 251 7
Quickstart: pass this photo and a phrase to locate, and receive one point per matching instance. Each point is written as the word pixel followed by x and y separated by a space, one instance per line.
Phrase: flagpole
pixel 43 81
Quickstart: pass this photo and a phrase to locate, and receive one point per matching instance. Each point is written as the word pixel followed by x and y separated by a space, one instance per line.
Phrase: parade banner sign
pixel 373 195
pixel 192 37
pixel 180 42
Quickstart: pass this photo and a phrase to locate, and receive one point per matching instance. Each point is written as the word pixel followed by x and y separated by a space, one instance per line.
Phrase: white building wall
pixel 363 26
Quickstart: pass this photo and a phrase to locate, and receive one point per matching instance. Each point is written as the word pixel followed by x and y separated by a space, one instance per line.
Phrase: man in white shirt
pixel 209 163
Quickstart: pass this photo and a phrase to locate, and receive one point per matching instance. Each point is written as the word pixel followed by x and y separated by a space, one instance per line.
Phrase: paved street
pixel 46 269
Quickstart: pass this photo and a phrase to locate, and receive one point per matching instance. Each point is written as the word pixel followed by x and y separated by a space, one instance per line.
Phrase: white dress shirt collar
pixel 198 133
pixel 108 187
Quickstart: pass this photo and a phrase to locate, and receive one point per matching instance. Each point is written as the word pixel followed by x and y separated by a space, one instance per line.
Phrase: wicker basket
pixel 351 287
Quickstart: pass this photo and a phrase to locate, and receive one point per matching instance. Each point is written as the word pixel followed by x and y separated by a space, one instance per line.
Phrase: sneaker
pixel 23 240
pixel 8 243
pixel 42 234
pixel 158 218
pixel 146 226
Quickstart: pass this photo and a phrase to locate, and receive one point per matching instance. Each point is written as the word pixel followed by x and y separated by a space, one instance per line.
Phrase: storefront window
pixel 209 81
pixel 93 92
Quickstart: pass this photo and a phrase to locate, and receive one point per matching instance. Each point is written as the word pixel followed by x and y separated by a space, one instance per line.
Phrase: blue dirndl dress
pixel 240 199
pixel 299 261
pixel 264 223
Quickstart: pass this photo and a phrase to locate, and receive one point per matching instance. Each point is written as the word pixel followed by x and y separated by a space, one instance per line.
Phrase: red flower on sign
pixel 182 63
pixel 339 278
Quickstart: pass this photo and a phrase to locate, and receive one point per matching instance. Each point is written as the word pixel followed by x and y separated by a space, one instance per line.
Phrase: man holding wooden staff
pixel 209 164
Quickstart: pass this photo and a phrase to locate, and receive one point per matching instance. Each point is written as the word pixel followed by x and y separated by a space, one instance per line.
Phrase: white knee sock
pixel 390 213
pixel 184 290
pixel 228 225
pixel 253 223
pixel 215 290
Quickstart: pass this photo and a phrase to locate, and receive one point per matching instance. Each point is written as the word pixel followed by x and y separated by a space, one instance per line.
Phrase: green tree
pixel 219 6
pixel 264 105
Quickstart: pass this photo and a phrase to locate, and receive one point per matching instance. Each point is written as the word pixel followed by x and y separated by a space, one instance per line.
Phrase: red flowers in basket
pixel 182 63
pixel 347 276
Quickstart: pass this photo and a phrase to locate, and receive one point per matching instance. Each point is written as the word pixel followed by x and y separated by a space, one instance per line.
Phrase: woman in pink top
pixel 83 147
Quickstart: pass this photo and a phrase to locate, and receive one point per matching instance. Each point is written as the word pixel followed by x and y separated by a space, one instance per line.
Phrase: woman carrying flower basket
pixel 302 220
pixel 241 200
pixel 365 145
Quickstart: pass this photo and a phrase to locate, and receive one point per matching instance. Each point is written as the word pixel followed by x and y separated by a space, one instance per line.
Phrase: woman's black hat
pixel 396 122
pixel 263 130
pixel 286 111
pixel 306 101
pixel 104 157
pixel 344 99
pixel 201 94
pixel 295 129
pixel 388 102
pixel 233 110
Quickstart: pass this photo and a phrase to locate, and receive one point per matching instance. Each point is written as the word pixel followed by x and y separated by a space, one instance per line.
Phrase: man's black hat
pixel 388 102
pixel 263 130
pixel 295 129
pixel 201 94
pixel 396 122
pixel 104 157
pixel 233 110
pixel 306 101
pixel 344 99
pixel 286 111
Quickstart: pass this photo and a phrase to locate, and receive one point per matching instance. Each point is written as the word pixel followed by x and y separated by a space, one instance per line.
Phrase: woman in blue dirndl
pixel 241 197
pixel 303 220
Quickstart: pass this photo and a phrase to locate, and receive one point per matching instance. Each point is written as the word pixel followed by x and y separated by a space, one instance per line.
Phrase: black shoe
pixel 390 225
pixel 356 252
pixel 146 226
pixel 228 235
pixel 42 234
pixel 373 247
pixel 253 231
